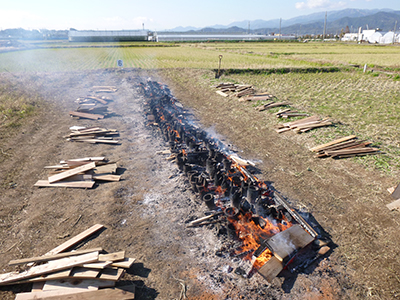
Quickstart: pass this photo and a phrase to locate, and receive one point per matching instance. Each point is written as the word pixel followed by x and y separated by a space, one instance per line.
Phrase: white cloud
pixel 18 18
pixel 320 4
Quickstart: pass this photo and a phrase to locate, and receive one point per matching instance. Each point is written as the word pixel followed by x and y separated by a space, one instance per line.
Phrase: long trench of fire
pixel 270 232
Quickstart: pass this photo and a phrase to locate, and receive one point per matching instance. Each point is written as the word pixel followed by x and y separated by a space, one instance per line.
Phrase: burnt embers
pixel 249 210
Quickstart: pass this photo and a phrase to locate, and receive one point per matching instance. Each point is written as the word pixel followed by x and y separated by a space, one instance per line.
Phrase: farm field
pixel 346 197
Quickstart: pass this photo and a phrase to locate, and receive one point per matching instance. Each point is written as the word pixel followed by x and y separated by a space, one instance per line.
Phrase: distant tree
pixel 347 30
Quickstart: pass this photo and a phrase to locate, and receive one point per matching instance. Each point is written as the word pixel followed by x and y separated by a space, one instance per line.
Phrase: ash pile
pixel 254 222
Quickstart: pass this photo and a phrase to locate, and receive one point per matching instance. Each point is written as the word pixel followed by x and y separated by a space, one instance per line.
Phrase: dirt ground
pixel 146 213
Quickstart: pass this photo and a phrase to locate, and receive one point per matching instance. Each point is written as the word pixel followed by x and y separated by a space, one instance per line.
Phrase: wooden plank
pixel 71 294
pixel 87 159
pixel 80 272
pixel 396 193
pixel 108 168
pixel 37 286
pixel 111 274
pixel 284 243
pixel 102 101
pixel 116 256
pixel 305 120
pixel 66 184
pixel 69 173
pixel 271 269
pixel 98 265
pixel 56 275
pixel 334 142
pixel 222 94
pixel 351 151
pixel 52 266
pixel 51 294
pixel 126 263
pixel 97 141
pixel 86 115
pixel 107 177
pixel 394 205
pixel 75 240
pixel 63 284
pixel 52 257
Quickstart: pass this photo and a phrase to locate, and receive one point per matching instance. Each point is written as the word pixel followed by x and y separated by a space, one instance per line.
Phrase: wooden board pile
pixel 237 90
pixel 80 173
pixel 395 193
pixel 304 125
pixel 93 112
pixel 81 274
pixel 289 113
pixel 344 147
pixel 92 135
pixel 104 89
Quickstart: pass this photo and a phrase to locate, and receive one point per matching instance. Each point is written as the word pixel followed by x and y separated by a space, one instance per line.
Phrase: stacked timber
pixel 344 147
pixel 288 113
pixel 236 90
pixel 270 105
pixel 93 135
pixel 304 125
pixel 80 173
pixel 104 89
pixel 65 274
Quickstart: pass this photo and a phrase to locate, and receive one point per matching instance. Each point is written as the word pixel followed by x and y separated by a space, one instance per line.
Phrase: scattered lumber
pixel 304 125
pixel 270 105
pixel 344 147
pixel 72 275
pixel 80 173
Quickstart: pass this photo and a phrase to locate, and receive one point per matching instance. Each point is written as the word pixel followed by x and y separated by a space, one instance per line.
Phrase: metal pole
pixel 394 31
pixel 323 38
pixel 280 27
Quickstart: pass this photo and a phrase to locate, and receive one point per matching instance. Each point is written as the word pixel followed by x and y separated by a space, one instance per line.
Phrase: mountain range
pixel 337 21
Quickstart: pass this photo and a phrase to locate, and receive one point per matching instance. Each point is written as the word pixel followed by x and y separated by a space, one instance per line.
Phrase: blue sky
pixel 162 14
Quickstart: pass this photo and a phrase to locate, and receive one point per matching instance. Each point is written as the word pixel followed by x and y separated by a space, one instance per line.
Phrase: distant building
pixel 107 35
pixel 182 37
pixel 350 37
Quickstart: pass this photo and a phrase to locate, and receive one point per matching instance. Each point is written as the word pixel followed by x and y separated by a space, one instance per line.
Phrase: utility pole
pixel 248 28
pixel 323 38
pixel 394 31
pixel 280 27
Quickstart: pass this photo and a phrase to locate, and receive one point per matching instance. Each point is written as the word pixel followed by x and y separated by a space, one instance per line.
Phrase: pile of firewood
pixel 231 89
pixel 348 146
pixel 91 107
pixel 81 274
pixel 80 173
pixel 304 125
pixel 288 113
pixel 270 105
pixel 92 135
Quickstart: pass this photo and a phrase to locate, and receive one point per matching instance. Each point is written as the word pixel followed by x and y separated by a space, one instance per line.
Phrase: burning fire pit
pixel 264 229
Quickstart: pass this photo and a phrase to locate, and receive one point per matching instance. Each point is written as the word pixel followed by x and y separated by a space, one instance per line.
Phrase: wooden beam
pixel 104 294
pixel 86 115
pixel 334 142
pixel 394 205
pixel 271 269
pixel 63 284
pixel 107 177
pixel 52 266
pixel 75 240
pixel 52 257
pixel 126 263
pixel 111 274
pixel 64 184
pixel 116 256
pixel 69 173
